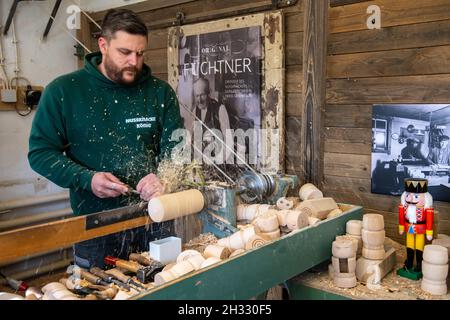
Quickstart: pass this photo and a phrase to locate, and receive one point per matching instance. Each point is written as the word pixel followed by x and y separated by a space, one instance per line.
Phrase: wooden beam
pixel 314 82
pixel 56 235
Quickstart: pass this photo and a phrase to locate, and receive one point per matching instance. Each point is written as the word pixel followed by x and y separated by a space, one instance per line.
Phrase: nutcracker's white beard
pixel 411 213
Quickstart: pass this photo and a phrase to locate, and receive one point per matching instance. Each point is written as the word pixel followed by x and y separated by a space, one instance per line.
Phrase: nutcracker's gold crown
pixel 416 185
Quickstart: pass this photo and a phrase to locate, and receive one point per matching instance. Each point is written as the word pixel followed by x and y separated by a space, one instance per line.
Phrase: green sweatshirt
pixel 86 123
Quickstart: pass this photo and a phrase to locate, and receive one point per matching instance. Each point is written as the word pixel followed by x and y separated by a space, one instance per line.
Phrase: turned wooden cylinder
pixel 216 251
pixel 267 222
pixel 354 227
pixel 209 262
pixel 296 219
pixel 343 249
pixel 373 222
pixel 435 270
pixel 236 253
pixel 309 191
pixel 175 205
pixel 287 203
pixel 255 242
pixel 185 255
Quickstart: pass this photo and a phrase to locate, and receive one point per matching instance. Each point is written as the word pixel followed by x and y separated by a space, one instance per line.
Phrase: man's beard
pixel 116 74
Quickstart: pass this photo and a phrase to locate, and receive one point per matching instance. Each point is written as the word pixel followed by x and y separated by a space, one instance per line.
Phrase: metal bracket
pixel 277 4
pixel 53 15
pixel 79 51
pixel 179 18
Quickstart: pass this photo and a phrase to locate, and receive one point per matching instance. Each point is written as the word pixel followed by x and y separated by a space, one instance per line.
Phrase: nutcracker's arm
pixel 429 214
pixel 401 219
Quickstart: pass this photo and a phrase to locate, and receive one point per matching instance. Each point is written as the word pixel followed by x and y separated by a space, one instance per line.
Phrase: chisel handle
pixel 118 275
pixel 90 277
pixel 128 265
pixel 123 264
pixel 100 273
pixel 140 259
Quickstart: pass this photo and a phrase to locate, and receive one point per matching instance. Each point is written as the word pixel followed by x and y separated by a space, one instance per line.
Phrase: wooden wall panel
pixel 409 89
pixel 390 38
pixel 431 60
pixel 393 13
pixel 406 61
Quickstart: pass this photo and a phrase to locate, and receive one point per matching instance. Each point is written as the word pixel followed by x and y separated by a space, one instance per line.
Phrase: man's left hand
pixel 150 187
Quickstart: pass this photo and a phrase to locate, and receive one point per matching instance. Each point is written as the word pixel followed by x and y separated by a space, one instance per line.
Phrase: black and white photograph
pixel 411 141
pixel 219 80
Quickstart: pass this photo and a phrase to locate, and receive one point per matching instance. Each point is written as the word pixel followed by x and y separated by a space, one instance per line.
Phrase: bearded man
pixel 103 129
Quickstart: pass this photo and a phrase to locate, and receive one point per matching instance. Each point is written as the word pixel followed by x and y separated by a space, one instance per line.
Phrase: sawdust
pixel 392 286
pixel 177 177
pixel 201 242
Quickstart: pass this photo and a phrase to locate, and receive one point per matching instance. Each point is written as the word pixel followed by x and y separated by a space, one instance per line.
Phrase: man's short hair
pixel 443 138
pixel 122 20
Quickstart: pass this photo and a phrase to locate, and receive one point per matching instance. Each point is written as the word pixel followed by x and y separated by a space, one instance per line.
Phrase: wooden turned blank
pixel 169 266
pixel 267 222
pixel 270 236
pixel 285 204
pixel 309 191
pixel 373 254
pixel 373 222
pixel 236 241
pixel 249 232
pixel 349 238
pixel 344 282
pixel 209 262
pixel 444 242
pixel 435 272
pixel 163 277
pixel 216 251
pixel 373 238
pixel 236 253
pixel 255 242
pixel 433 288
pixel 281 215
pixel 224 242
pixel 318 208
pixel 343 249
pixel 175 205
pixel 334 213
pixel 181 268
pixel 183 256
pixel 312 221
pixel 331 271
pixel 196 261
pixel 353 227
pixel 296 220
pixel 347 265
pixel 435 254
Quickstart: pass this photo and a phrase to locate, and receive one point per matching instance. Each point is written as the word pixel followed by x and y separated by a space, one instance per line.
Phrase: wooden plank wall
pixel 406 61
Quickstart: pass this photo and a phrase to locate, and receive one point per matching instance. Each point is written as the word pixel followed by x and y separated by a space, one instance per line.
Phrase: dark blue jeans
pixel 91 253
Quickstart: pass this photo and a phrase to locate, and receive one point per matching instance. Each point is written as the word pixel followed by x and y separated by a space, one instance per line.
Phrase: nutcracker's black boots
pixel 409 263
pixel 419 255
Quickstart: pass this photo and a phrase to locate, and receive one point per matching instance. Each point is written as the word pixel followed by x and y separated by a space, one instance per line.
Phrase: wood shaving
pixel 201 242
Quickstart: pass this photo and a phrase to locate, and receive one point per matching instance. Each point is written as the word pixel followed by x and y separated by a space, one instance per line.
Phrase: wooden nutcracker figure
pixel 416 219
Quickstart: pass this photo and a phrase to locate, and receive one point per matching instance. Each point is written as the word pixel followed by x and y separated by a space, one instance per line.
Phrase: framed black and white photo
pixel 411 141
pixel 224 81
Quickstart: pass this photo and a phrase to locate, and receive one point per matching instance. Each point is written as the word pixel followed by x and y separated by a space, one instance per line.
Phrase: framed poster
pixel 411 141
pixel 229 79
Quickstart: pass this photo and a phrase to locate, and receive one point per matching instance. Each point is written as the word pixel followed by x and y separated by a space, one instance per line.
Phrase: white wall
pixel 40 62
pixel 99 5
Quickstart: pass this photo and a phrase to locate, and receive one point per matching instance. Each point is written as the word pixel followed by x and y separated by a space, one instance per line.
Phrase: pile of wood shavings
pixel 201 242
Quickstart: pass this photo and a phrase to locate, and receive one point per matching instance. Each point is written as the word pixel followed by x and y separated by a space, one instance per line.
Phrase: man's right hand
pixel 106 185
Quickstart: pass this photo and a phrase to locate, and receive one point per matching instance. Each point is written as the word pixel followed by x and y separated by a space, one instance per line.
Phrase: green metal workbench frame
pixel 252 273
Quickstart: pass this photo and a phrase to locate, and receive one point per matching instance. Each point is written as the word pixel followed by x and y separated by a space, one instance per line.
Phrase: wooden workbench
pixel 317 285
